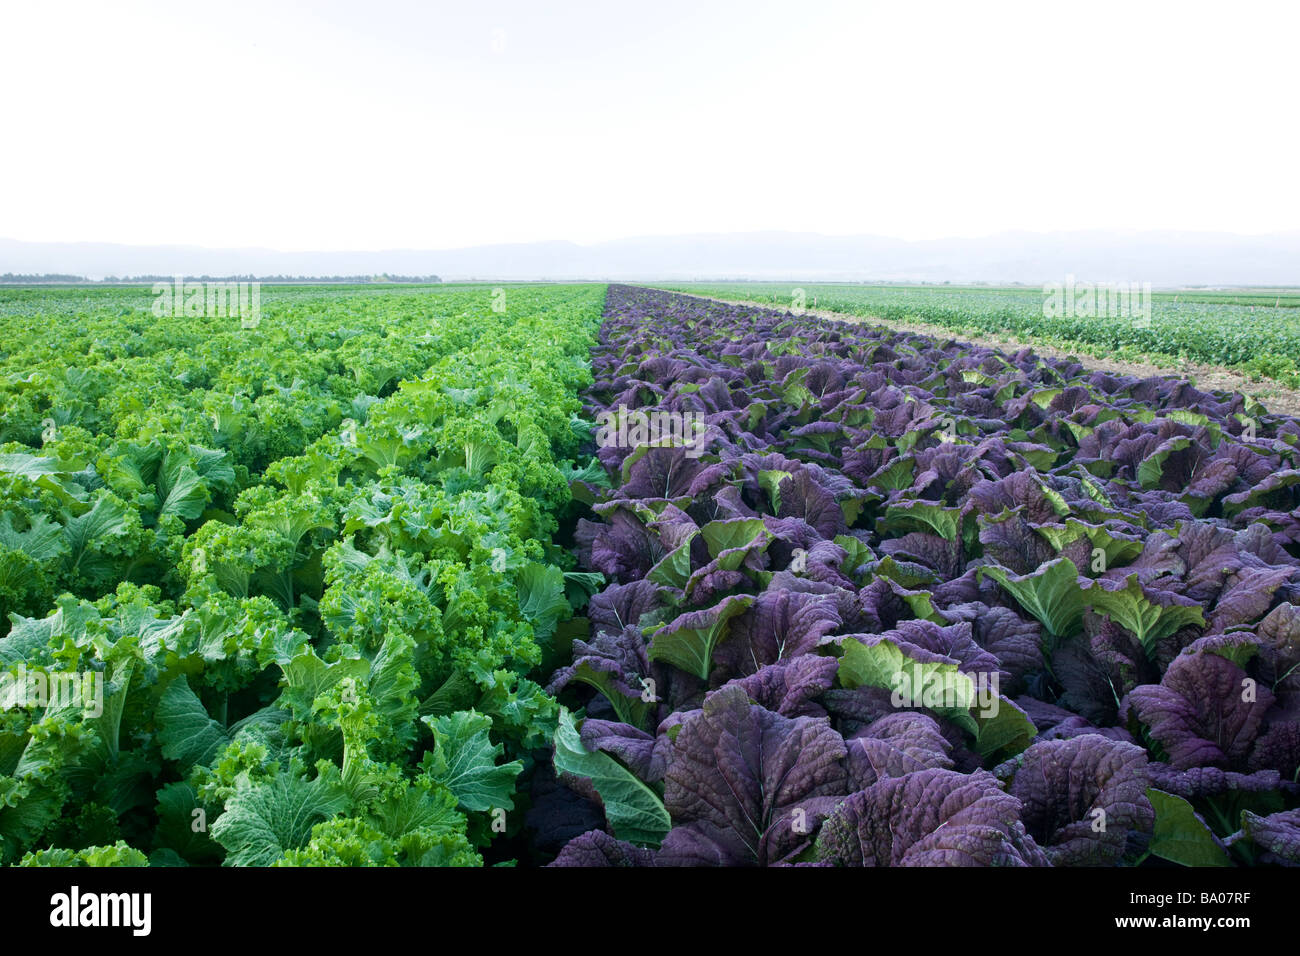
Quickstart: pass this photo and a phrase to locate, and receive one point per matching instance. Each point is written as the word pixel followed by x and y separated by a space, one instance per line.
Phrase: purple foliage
pixel 853 493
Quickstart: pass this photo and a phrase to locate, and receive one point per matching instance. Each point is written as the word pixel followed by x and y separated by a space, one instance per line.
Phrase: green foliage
pixel 634 811
pixel 269 546
pixel 1181 836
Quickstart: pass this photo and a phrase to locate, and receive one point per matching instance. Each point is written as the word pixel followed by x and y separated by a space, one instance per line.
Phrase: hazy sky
pixel 373 125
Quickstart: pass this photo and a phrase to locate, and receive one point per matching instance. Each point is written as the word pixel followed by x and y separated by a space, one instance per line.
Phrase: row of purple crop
pixel 892 600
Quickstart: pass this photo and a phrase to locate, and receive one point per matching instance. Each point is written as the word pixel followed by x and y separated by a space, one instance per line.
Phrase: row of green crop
pixel 120 431
pixel 85 368
pixel 1257 339
pixel 330 670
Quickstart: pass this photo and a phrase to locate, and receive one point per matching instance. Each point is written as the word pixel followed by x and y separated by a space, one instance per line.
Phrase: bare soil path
pixel 1274 397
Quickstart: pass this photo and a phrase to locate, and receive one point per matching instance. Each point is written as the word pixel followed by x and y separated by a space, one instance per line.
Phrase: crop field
pixel 1256 333
pixel 586 575
pixel 270 591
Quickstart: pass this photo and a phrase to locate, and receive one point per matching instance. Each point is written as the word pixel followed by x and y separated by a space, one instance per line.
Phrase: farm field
pixel 586 575
pixel 916 605
pixel 290 574
pixel 1254 332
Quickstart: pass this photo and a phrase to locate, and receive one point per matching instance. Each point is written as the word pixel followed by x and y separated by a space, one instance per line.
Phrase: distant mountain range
pixel 1161 258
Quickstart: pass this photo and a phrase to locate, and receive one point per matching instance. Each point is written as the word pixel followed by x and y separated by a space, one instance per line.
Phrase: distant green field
pixel 1254 331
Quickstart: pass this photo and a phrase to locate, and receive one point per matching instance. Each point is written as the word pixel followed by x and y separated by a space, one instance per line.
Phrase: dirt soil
pixel 1274 397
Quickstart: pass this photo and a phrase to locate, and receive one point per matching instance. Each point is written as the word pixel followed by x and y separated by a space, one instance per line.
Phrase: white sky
pixel 373 125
